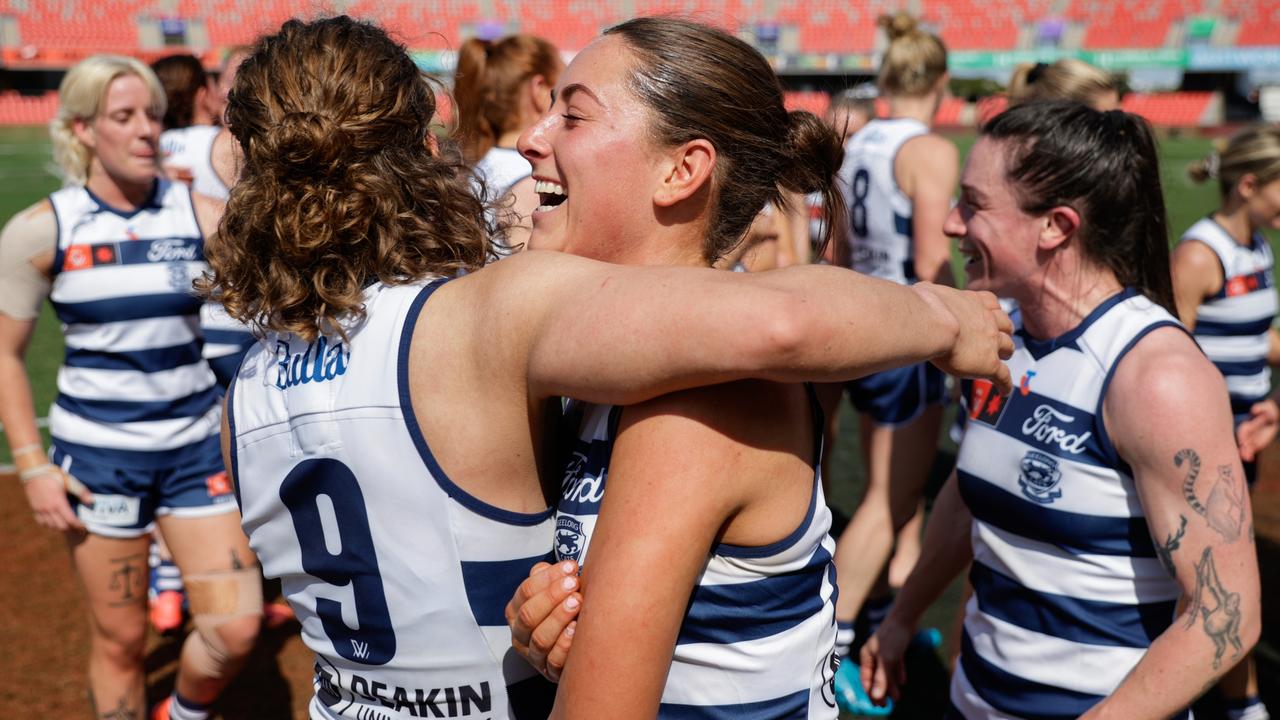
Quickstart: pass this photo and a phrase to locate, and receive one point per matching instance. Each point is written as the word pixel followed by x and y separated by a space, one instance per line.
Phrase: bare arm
pixel 946 553
pixel 1196 276
pixel 928 167
pixel 1189 480
pixel 26 261
pixel 668 328
pixel 683 468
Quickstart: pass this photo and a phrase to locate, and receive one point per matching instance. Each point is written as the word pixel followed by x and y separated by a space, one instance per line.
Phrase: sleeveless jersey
pixel 226 340
pixel 500 169
pixel 880 234
pixel 133 390
pixel 398 576
pixel 759 635
pixel 1233 327
pixel 1068 590
pixel 191 148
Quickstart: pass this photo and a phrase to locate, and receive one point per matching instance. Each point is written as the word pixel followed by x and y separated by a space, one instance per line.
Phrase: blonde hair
pixel 1253 151
pixel 1066 79
pixel 80 97
pixel 914 60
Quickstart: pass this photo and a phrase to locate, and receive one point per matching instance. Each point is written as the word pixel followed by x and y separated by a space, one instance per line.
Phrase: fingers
pixel 542 578
pixel 1002 380
pixel 77 488
pixel 1006 346
pixel 560 653
pixel 549 631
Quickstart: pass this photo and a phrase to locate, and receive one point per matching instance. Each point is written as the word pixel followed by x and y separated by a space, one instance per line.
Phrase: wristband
pixel 33 447
pixel 32 473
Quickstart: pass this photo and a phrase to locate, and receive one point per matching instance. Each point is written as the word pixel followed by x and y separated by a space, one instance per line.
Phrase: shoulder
pixel 1162 379
pixel 36 224
pixel 929 150
pixel 1197 258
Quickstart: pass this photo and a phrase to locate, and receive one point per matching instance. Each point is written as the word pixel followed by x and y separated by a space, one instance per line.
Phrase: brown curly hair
pixel 339 186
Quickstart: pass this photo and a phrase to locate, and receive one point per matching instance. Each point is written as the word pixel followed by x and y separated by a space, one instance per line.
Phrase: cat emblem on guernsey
pixel 1039 477
pixel 318 363
pixel 568 538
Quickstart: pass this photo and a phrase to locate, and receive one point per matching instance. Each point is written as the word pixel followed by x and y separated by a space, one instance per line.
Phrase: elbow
pixel 787 339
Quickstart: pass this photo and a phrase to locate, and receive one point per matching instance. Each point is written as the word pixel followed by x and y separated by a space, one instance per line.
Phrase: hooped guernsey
pixel 1068 592
pixel 758 637
pixel 398 576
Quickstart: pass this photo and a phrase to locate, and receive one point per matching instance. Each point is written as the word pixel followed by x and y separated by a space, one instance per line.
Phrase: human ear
pixel 540 92
pixel 1059 225
pixel 83 131
pixel 689 169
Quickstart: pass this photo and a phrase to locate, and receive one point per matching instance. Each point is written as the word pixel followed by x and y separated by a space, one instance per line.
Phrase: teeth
pixel 546 187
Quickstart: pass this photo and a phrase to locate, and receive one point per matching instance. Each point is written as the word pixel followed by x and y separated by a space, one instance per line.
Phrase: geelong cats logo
pixel 568 538
pixel 1039 477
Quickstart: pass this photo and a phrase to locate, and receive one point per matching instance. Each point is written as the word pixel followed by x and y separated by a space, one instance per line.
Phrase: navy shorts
pixel 127 500
pixel 898 396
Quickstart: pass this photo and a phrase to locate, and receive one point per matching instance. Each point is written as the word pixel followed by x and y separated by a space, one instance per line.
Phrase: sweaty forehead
pixel 602 68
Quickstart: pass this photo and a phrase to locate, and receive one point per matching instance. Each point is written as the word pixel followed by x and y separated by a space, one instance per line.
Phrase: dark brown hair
pixel 338 187
pixel 181 76
pixel 487 83
pixel 1104 166
pixel 700 82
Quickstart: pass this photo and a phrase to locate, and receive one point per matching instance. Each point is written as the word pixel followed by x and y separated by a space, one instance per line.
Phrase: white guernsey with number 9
pixel 398 577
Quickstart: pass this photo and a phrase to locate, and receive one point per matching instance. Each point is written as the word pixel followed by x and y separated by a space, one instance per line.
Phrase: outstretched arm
pixel 669 328
pixel 1168 415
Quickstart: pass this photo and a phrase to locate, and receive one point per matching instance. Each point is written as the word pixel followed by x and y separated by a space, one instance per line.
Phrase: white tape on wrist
pixel 32 473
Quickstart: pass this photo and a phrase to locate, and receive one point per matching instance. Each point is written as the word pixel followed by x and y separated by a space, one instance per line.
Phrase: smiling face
pixel 595 167
pixel 997 238
pixel 124 135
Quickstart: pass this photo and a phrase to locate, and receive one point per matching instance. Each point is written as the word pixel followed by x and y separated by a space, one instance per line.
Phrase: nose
pixel 534 143
pixel 954 226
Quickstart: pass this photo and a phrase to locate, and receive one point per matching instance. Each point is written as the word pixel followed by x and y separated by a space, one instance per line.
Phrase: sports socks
pixel 182 709
pixel 1250 708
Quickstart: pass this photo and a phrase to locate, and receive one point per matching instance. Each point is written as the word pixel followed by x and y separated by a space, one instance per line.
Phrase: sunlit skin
pixel 591 131
pixel 124 139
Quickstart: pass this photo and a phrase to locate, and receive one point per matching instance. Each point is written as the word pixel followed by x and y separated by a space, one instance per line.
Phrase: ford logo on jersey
pixel 1040 477
pixel 171 251
pixel 568 538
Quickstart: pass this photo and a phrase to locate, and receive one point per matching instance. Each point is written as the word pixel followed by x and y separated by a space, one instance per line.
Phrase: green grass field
pixel 24 170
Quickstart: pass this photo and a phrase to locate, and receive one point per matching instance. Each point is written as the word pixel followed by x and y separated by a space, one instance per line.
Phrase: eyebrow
pixel 569 91
pixel 971 191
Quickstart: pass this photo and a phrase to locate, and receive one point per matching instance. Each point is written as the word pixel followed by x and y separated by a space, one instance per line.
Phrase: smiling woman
pixel 135 423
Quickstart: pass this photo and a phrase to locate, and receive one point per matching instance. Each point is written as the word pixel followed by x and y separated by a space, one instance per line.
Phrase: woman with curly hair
pixel 386 436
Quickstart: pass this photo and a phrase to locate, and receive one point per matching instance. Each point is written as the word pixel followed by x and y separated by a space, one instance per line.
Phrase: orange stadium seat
pixel 1177 109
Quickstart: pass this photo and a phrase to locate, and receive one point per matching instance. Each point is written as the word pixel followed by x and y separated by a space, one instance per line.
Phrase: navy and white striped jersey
pixel 133 391
pixel 1068 591
pixel 1233 327
pixel 226 340
pixel 398 576
pixel 190 149
pixel 880 214
pixel 758 638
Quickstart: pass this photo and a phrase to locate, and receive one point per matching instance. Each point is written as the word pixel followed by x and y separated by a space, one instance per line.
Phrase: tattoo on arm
pixel 1173 542
pixel 1218 607
pixel 235 561
pixel 1224 507
pixel 122 711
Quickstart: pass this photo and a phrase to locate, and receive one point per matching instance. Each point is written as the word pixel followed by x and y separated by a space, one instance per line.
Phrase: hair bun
pixel 898 25
pixel 306 142
pixel 815 153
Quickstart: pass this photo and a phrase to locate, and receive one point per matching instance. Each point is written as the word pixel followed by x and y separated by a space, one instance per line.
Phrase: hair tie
pixel 1212 164
pixel 1036 72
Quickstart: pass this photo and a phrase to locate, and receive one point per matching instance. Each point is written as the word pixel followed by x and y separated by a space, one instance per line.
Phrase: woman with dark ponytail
pixel 1102 504
pixel 502 87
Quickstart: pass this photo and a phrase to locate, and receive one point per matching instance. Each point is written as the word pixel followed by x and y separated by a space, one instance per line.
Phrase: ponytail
pixel 475 134
pixel 487 86
pixel 815 157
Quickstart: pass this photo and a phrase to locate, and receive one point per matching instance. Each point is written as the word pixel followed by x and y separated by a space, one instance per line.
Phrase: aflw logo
pixel 360 649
